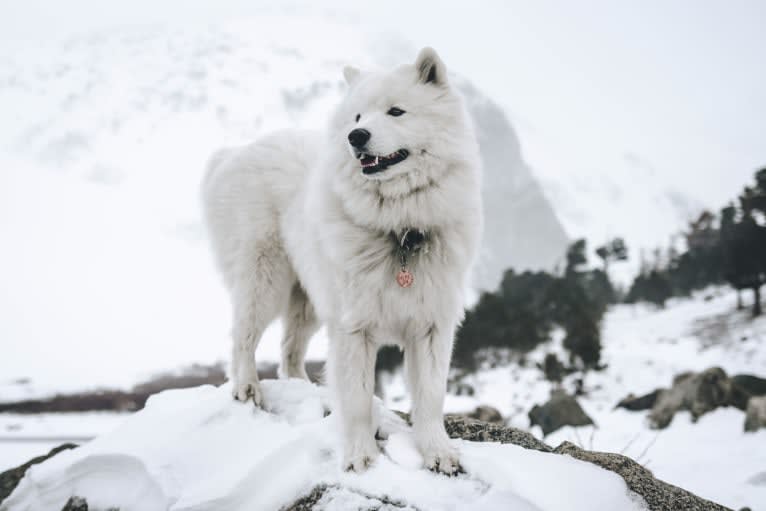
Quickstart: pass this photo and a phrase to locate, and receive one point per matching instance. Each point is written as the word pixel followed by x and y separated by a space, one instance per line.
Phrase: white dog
pixel 371 230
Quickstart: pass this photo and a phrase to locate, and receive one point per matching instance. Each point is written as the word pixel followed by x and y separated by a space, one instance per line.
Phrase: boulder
pixel 76 504
pixel 561 410
pixel 553 369
pixel 755 416
pixel 10 478
pixel 745 386
pixel 659 495
pixel 486 413
pixel 698 393
pixel 637 403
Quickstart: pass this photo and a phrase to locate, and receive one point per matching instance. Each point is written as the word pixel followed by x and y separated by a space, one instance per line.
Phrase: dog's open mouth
pixel 378 163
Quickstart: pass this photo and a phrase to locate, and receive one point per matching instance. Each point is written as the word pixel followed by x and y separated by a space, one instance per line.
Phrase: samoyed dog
pixel 371 229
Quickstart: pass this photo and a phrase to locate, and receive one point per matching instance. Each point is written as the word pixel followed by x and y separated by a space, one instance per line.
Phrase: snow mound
pixel 196 449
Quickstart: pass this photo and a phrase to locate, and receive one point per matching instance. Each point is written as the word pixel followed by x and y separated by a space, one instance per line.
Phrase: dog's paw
pixel 445 460
pixel 360 455
pixel 246 390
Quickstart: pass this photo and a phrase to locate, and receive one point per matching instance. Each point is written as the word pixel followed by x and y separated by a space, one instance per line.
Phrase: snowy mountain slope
pixel 196 449
pixel 608 195
pixel 645 348
pixel 521 230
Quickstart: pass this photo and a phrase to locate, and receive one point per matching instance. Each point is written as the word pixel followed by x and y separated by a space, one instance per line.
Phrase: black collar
pixel 410 239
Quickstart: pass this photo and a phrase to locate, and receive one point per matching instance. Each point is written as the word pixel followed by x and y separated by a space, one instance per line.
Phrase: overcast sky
pixel 680 84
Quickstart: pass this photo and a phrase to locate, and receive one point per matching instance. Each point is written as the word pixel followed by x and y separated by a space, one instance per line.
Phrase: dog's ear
pixel 430 67
pixel 351 74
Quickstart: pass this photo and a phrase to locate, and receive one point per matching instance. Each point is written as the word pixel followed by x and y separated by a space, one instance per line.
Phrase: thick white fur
pixel 299 232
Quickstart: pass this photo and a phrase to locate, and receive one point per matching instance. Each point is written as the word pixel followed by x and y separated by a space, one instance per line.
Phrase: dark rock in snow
pixel 76 504
pixel 698 393
pixel 745 386
pixel 10 478
pixel 553 368
pixel 307 502
pixel 477 431
pixel 755 416
pixel 659 495
pixel 637 403
pixel 486 413
pixel 561 410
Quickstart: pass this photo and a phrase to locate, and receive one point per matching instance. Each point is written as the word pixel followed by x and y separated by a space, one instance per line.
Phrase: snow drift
pixel 196 449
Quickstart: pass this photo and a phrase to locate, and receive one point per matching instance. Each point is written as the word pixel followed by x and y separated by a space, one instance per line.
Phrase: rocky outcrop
pixel 10 478
pixel 637 403
pixel 486 413
pixel 76 504
pixel 561 410
pixel 658 495
pixel 698 393
pixel 745 386
pixel 755 416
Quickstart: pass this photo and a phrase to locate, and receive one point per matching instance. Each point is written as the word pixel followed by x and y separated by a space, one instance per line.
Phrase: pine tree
pixel 612 251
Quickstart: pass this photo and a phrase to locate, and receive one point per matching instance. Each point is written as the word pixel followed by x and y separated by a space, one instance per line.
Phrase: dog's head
pixel 402 121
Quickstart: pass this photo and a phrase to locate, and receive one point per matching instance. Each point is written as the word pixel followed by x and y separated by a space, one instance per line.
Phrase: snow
pixel 644 348
pixel 198 449
pixel 106 279
pixel 23 437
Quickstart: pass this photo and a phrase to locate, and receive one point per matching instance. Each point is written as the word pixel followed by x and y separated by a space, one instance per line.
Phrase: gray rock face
pixel 745 386
pixel 637 403
pixel 486 413
pixel 76 504
pixel 521 229
pixel 698 393
pixel 561 410
pixel 755 416
pixel 659 495
pixel 10 478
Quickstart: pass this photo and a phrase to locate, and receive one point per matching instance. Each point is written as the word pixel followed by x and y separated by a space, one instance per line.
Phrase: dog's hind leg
pixel 300 323
pixel 259 295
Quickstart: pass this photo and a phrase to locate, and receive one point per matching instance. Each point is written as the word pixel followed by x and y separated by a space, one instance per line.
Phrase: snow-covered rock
pixel 196 449
pixel 755 415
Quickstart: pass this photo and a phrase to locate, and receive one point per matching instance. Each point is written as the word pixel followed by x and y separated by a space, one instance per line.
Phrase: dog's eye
pixel 358 116
pixel 396 112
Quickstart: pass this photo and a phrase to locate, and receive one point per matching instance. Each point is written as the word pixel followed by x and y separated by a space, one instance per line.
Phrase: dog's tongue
pixel 368 161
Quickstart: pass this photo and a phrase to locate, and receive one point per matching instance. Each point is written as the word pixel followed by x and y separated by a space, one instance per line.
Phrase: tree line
pixel 726 248
pixel 526 308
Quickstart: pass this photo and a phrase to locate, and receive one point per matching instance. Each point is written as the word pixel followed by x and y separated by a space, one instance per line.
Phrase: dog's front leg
pixel 427 363
pixel 351 370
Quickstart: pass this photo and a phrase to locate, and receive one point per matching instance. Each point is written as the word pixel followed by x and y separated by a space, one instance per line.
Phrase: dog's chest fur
pixel 373 298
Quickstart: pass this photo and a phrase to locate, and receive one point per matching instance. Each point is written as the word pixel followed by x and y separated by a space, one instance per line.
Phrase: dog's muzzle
pixel 372 164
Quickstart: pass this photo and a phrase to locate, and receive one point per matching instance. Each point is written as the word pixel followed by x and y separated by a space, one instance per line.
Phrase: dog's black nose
pixel 359 137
